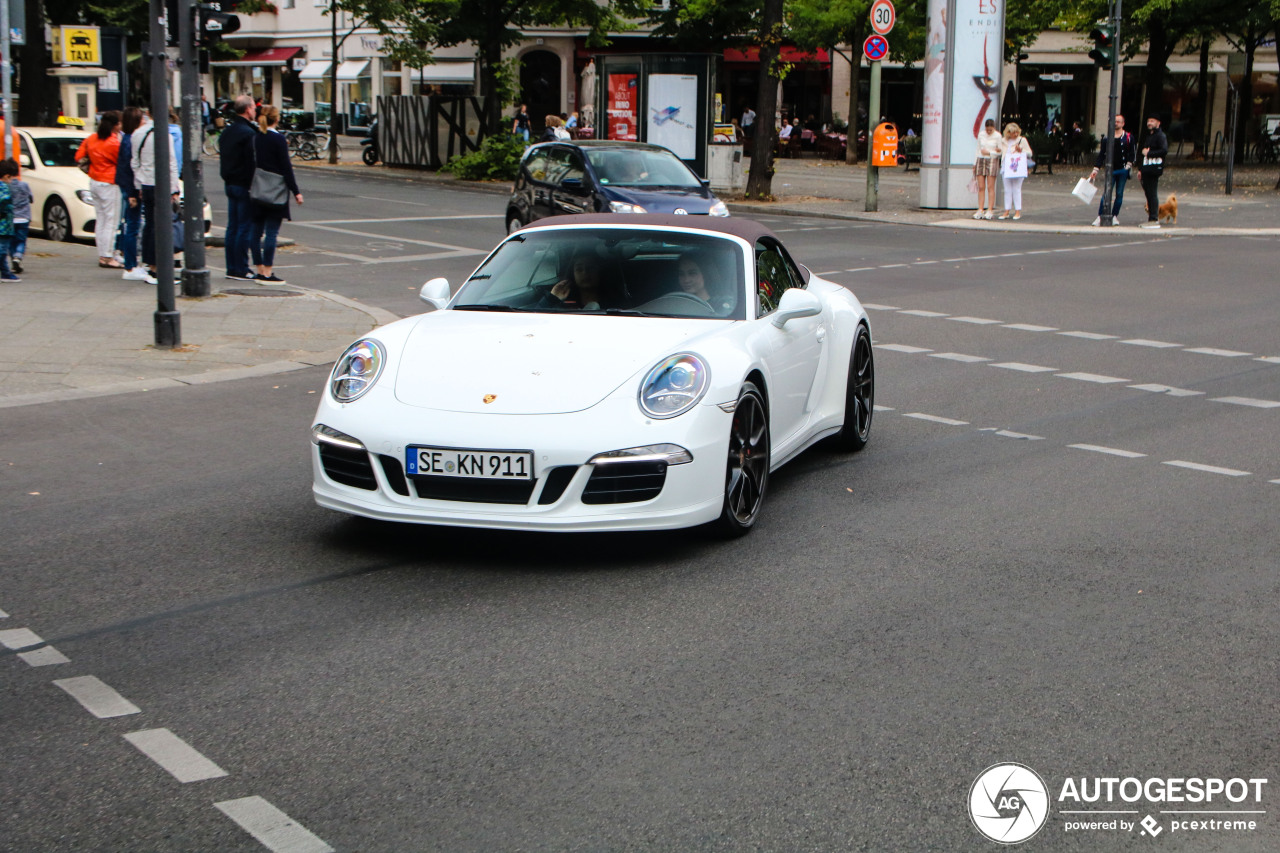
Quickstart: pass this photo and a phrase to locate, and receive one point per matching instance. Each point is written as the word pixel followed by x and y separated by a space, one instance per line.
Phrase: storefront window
pixel 359 99
pixel 391 77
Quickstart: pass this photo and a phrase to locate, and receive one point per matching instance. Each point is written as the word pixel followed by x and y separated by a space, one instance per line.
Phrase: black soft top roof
pixel 747 229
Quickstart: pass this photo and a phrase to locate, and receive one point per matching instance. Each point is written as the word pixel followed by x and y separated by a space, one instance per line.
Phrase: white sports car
pixel 603 372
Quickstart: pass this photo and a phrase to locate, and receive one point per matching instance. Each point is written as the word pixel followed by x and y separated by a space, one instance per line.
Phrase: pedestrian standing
pixel 1152 168
pixel 8 171
pixel 985 168
pixel 520 126
pixel 1014 155
pixel 236 153
pixel 748 122
pixel 1122 158
pixel 22 199
pixel 131 207
pixel 175 133
pixel 102 150
pixel 155 212
pixel 271 151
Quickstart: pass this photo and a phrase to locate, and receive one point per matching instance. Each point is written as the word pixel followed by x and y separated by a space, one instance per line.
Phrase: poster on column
pixel 673 109
pixel 623 121
pixel 935 82
pixel 975 63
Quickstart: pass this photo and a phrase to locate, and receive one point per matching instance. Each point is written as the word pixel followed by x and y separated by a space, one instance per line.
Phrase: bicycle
pixel 302 144
pixel 212 140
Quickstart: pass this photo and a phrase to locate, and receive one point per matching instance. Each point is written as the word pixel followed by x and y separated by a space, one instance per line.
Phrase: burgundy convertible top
pixel 745 228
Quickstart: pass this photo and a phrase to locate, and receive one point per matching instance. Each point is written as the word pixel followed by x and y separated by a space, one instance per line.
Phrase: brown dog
pixel 1168 210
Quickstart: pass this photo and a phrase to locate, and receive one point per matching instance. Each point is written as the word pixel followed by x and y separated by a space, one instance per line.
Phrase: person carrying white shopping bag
pixel 1017 151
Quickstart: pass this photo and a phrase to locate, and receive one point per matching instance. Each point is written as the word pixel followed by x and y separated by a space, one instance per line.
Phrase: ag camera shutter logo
pixel 1008 803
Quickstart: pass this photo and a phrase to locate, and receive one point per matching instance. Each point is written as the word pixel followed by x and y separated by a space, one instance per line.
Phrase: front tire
pixel 859 397
pixel 514 222
pixel 747 468
pixel 370 156
pixel 57 221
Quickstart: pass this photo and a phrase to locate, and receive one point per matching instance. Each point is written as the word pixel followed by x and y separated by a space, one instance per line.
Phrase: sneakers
pixel 1018 215
pixel 978 215
pixel 1097 222
pixel 16 264
pixel 138 274
pixel 10 278
pixel 269 279
pixel 1004 215
pixel 1152 224
pixel 991 214
pixel 241 276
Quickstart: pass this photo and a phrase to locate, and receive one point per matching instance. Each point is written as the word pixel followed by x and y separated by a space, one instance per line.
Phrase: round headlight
pixel 357 370
pixel 674 386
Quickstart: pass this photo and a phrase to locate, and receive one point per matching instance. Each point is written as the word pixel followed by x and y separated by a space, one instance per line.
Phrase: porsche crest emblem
pixel 489 398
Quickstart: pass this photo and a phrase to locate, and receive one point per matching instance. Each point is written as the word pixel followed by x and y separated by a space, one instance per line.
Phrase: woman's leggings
pixel 1013 193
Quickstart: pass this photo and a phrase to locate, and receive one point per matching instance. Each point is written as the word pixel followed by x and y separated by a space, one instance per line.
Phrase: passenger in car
pixel 697 278
pixel 584 289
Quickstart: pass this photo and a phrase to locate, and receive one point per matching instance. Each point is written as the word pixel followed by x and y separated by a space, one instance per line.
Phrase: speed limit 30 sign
pixel 883 17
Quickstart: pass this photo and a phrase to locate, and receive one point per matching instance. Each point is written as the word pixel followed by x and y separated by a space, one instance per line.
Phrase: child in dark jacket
pixel 8 171
pixel 22 198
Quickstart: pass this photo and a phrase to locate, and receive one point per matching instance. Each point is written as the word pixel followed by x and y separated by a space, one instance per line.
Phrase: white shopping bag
pixel 1084 190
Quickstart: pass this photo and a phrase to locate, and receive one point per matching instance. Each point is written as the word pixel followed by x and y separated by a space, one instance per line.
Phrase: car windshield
pixel 611 272
pixel 638 167
pixel 57 150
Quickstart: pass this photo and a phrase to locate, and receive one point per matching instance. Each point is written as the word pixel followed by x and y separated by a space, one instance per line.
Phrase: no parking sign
pixel 875 48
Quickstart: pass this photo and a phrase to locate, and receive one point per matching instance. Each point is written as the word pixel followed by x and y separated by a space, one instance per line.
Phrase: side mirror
pixel 795 303
pixel 24 161
pixel 435 293
pixel 706 183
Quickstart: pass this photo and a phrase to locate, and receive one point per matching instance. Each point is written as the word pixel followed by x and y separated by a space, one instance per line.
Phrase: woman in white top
pixel 1014 157
pixel 985 168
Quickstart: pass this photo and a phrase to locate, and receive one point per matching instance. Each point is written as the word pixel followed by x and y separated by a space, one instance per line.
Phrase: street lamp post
pixel 168 322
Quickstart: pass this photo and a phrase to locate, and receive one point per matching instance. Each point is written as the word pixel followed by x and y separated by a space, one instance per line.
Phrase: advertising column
pixel 964 41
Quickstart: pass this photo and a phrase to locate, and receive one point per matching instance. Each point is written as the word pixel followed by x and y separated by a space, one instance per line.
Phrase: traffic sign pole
pixel 873 119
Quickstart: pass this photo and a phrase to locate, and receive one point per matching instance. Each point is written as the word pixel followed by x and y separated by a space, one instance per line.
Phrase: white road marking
pixel 175 755
pixel 935 419
pixel 1007 434
pixel 878 408
pixel 274 829
pixel 1273 481
pixel 1111 451
pixel 1270 359
pixel 46 656
pixel 1143 342
pixel 1208 469
pixel 1166 389
pixel 20 638
pixel 902 348
pixel 892 266
pixel 872 306
pixel 982 257
pixel 1029 327
pixel 860 269
pixel 1091 377
pixel 1225 353
pixel 925 263
pixel 1038 251
pixel 3 615
pixel 1089 336
pixel 916 312
pixel 977 321
pixel 828 272
pixel 97 698
pixel 953 260
pixel 396 218
pixel 1025 368
pixel 1247 401
pixel 959 356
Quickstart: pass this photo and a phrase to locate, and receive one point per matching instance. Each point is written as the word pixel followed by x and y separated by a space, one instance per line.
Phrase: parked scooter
pixel 370 154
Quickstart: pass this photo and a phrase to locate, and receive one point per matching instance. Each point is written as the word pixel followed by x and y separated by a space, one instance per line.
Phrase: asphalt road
pixel 1059 550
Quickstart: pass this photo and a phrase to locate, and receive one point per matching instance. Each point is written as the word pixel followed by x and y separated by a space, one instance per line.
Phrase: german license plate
pixel 475 464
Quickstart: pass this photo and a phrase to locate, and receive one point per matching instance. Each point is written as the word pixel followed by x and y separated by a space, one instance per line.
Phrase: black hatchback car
pixel 606 176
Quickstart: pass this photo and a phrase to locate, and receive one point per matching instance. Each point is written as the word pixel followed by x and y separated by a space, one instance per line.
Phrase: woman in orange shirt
pixel 101 150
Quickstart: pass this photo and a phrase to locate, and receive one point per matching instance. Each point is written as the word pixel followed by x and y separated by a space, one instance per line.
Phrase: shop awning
pixel 353 69
pixel 262 56
pixel 447 72
pixel 789 54
pixel 317 69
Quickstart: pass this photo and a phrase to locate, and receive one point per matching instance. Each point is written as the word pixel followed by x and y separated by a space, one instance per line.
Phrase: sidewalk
pixel 73 330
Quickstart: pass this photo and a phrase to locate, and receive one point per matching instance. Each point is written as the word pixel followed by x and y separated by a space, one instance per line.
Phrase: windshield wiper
pixel 476 306
pixel 624 312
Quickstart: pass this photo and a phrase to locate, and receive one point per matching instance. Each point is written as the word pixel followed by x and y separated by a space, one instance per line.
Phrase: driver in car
pixel 696 275
pixel 584 290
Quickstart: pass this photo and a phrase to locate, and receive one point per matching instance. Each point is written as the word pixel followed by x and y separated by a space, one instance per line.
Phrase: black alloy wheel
pixel 860 395
pixel 747 471
pixel 57 221
pixel 514 222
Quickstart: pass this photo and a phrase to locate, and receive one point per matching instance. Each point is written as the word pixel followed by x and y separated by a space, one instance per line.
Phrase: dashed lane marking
pixel 1143 342
pixel 1224 353
pixel 1090 336
pixel 1166 389
pixel 959 356
pixel 977 321
pixel 879 408
pixel 1029 327
pixel 917 312
pixel 1110 451
pixel 1019 435
pixel 175 755
pixel 902 348
pixel 936 419
pixel 872 306
pixel 1270 359
pixel 1247 401
pixel 44 656
pixel 1208 469
pixel 97 698
pixel 274 829
pixel 1025 368
pixel 3 615
pixel 1091 377
pixel 20 638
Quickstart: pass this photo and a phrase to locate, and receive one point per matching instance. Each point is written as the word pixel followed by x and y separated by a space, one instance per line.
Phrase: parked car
pixel 606 176
pixel 63 203
pixel 598 373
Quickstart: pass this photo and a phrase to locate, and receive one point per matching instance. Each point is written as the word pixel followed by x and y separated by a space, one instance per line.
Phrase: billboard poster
pixel 935 83
pixel 673 112
pixel 623 121
pixel 976 58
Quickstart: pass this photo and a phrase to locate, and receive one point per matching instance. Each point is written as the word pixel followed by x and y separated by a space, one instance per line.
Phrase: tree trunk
pixel 1245 107
pixel 1202 102
pixel 760 181
pixel 490 60
pixel 855 96
pixel 1159 49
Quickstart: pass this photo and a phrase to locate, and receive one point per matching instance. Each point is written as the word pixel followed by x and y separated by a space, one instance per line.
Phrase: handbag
pixel 84 164
pixel 973 185
pixel 1084 190
pixel 268 188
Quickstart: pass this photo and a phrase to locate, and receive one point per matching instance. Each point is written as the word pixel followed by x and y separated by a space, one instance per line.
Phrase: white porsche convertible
pixel 598 373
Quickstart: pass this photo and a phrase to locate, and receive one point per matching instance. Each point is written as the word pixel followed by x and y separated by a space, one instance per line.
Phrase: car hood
pixel 693 200
pixel 530 364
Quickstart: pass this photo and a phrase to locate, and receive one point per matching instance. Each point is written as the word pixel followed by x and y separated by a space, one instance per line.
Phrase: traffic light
pixel 214 23
pixel 1104 45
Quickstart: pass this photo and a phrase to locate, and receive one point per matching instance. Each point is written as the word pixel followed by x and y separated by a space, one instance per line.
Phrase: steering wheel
pixel 681 295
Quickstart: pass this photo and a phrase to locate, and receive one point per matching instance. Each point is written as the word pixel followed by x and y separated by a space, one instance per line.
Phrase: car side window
pixel 26 152
pixel 536 165
pixel 563 164
pixel 577 168
pixel 772 278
